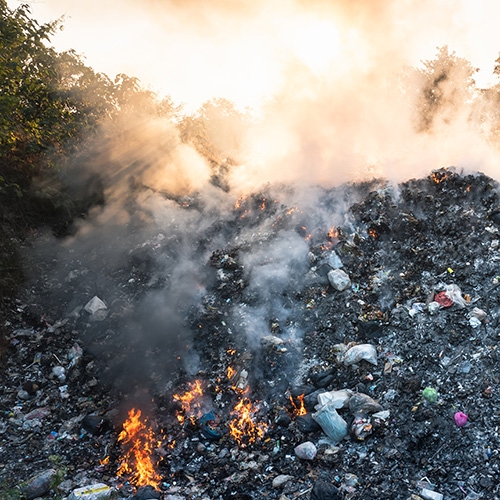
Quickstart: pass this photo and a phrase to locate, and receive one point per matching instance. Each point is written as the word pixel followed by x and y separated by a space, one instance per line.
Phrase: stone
pixel 280 480
pixel 339 279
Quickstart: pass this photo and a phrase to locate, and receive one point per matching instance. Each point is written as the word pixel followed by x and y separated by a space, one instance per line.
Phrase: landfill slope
pixel 419 284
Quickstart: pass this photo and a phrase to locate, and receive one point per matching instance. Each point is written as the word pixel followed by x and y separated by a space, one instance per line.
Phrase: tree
pixel 442 87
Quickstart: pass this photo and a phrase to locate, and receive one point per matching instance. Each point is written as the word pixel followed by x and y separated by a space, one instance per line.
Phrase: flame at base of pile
pixel 138 440
pixel 243 428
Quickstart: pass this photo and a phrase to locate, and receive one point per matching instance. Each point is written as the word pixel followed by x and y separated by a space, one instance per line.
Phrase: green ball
pixel 430 394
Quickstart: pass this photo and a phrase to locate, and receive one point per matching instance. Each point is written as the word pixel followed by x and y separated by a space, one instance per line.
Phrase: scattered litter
pixel 97 491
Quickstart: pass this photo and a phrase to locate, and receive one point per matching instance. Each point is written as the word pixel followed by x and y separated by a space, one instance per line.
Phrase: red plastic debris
pixel 442 299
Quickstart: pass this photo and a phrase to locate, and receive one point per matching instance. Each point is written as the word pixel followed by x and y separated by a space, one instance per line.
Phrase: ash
pixel 243 301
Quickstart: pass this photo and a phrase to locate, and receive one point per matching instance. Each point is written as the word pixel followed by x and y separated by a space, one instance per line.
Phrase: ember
pixel 139 442
pixel 243 428
pixel 188 401
pixel 439 176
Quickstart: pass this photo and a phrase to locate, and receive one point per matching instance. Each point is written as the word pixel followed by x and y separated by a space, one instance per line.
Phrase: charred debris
pixel 315 354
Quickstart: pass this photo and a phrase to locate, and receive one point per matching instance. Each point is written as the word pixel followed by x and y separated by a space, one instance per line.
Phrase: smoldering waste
pixel 313 350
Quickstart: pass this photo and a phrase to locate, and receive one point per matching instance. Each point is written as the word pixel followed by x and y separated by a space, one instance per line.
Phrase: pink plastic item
pixel 460 419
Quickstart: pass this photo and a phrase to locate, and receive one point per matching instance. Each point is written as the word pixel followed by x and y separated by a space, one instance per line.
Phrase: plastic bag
pixel 339 399
pixel 455 294
pixel 358 352
pixel 333 425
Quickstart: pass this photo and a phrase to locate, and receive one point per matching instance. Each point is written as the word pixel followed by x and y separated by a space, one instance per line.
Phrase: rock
pixel 39 485
pixel 306 451
pixel 94 304
pixel 280 480
pixel 31 387
pixel 66 486
pixel 339 279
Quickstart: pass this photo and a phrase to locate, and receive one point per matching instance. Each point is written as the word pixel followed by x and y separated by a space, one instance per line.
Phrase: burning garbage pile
pixel 340 347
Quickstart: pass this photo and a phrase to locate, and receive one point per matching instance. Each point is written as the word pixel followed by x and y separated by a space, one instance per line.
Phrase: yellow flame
pixel 138 440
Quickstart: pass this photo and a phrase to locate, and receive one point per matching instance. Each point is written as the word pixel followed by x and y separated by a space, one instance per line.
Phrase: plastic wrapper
pixel 209 425
pixel 362 404
pixel 358 352
pixel 333 425
pixel 455 294
pixel 339 399
pixel 434 307
pixel 97 491
pixel 361 428
pixel 306 451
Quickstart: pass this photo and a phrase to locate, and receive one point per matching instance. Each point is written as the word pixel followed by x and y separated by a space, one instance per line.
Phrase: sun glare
pixel 315 42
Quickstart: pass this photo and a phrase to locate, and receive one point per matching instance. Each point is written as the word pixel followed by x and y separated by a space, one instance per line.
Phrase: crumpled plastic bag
pixel 358 352
pixel 339 399
pixel 454 293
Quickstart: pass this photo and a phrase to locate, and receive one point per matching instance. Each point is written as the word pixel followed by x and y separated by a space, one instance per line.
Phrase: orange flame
pixel 333 233
pixel 187 399
pixel 240 200
pixel 242 428
pixel 373 233
pixel 138 438
pixel 230 372
pixel 301 409
pixel 439 176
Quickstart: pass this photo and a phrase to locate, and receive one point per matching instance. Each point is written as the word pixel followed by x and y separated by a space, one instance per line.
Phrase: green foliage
pixel 8 493
pixel 47 99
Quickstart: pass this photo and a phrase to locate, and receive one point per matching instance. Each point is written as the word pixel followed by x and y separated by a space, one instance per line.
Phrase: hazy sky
pixel 245 50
